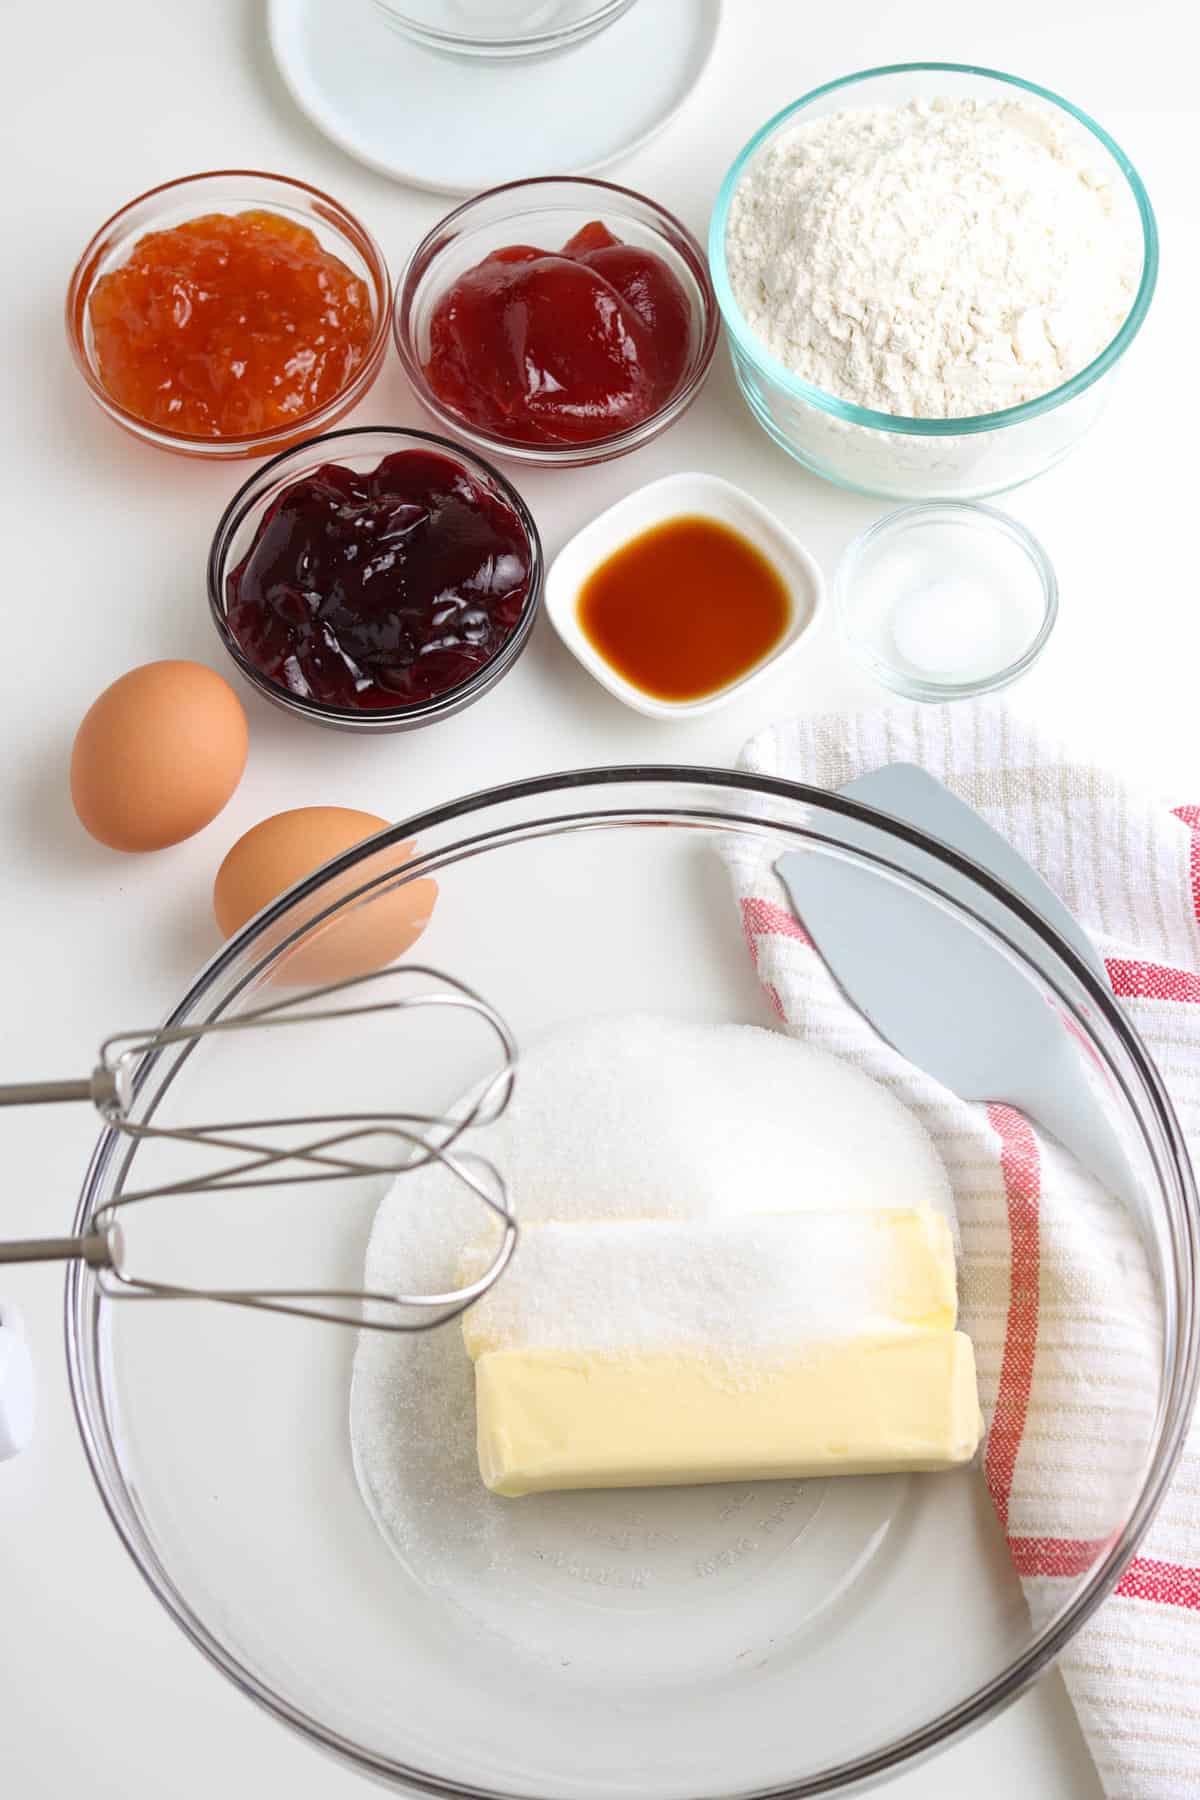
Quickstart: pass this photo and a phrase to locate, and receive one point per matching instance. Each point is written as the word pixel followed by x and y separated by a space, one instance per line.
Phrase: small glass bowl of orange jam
pixel 229 314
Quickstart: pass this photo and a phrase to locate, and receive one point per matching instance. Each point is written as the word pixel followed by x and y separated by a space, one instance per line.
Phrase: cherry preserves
pixel 382 588
pixel 228 326
pixel 561 347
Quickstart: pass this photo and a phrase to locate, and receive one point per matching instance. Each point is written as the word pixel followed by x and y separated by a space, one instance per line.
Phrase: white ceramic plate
pixel 680 496
pixel 456 126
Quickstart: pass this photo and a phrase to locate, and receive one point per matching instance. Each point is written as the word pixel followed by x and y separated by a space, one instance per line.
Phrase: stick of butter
pixel 642 1352
pixel 550 1419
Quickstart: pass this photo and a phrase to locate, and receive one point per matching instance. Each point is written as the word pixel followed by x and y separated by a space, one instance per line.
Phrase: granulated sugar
pixel 733 1288
pixel 613 1118
pixel 642 1117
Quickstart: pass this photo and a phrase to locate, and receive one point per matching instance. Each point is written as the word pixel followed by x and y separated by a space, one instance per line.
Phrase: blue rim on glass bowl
pixel 368 443
pixel 784 402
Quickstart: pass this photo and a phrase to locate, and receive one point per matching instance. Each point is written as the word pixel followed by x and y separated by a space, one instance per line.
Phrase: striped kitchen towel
pixel 1055 1286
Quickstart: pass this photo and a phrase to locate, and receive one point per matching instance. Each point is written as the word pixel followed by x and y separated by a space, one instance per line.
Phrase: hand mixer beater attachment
pixel 267 1152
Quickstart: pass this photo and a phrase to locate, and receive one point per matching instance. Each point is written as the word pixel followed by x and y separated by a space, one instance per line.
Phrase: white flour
pixel 934 260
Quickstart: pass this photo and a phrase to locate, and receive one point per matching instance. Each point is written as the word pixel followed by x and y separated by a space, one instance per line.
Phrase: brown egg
pixel 158 755
pixel 281 850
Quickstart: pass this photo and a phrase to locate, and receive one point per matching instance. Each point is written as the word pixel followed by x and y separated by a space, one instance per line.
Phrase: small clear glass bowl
pixel 492 30
pixel 547 212
pixel 925 459
pixel 230 191
pixel 362 447
pixel 946 600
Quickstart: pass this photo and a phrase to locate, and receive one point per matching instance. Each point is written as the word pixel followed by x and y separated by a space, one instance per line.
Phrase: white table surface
pixel 103 556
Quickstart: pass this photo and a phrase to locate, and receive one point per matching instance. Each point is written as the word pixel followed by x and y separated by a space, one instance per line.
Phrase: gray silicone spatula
pixel 943 996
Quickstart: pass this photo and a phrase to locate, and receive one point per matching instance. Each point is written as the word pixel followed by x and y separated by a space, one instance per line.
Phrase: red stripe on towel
pixel 1152 981
pixel 1191 818
pixel 762 918
pixel 1166 1584
pixel 1160 1583
pixel 1064 1557
pixel 1021 1166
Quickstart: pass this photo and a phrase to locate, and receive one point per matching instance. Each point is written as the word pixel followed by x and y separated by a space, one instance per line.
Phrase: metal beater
pixel 341 1148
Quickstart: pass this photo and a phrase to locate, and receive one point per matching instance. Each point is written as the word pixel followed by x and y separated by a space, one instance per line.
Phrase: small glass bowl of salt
pixel 946 600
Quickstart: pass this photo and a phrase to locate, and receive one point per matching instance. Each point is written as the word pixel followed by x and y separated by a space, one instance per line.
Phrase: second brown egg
pixel 361 934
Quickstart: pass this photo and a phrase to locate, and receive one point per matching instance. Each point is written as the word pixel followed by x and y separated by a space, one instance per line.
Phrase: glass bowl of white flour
pixel 929 274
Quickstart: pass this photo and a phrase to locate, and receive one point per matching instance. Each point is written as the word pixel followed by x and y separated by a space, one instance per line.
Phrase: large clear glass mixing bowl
pixel 785 1639
pixel 928 459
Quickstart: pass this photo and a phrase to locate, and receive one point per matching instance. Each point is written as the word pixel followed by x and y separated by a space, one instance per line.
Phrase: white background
pixel 102 559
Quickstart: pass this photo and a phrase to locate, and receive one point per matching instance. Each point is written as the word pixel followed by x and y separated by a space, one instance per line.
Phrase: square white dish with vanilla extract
pixel 683 595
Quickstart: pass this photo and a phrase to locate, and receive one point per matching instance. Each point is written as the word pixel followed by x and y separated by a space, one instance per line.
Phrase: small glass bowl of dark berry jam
pixel 375 579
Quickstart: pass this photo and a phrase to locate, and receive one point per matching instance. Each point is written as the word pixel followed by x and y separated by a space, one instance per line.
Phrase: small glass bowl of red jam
pixel 375 579
pixel 557 321
pixel 229 314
